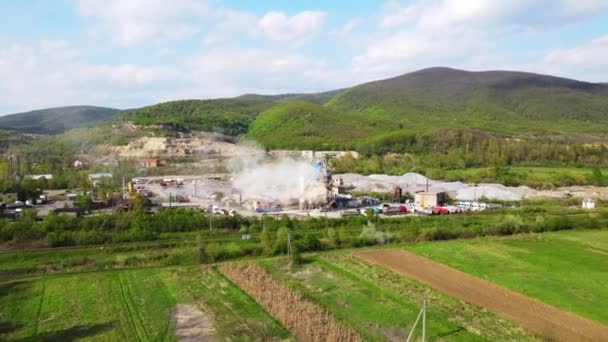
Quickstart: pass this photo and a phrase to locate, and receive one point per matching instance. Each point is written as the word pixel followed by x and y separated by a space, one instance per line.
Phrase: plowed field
pixel 547 321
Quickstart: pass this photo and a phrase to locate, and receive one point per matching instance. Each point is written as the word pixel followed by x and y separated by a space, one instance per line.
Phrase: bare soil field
pixel 547 321
pixel 191 324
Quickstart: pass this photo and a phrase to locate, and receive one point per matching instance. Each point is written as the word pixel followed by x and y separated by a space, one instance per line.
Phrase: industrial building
pixel 429 199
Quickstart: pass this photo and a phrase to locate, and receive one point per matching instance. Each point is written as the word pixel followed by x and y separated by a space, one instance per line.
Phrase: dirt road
pixel 548 322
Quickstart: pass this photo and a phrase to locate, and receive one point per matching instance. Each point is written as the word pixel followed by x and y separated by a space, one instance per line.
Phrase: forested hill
pixel 228 116
pixel 505 103
pixel 55 120
pixel 502 99
pixel 426 101
pixel 318 98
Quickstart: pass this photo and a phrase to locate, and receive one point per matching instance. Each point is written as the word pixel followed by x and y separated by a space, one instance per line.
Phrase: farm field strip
pixel 128 305
pixel 546 320
pixel 567 269
pixel 382 305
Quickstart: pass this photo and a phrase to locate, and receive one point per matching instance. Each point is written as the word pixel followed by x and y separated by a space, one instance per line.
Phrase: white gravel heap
pixel 413 182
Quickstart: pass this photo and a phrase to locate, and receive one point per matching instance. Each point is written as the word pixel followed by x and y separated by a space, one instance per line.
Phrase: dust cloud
pixel 282 180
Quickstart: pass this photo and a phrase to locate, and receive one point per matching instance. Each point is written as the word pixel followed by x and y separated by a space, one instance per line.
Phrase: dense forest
pixel 227 116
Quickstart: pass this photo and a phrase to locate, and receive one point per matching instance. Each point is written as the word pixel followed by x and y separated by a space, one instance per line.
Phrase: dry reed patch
pixel 306 320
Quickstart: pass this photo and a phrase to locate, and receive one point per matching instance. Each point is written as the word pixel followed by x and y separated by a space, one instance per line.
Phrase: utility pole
pixel 423 320
pixel 210 222
pixel 422 314
pixel 288 244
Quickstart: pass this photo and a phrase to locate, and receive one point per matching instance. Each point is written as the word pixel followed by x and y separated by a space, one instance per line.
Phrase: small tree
pixel 267 240
pixel 597 177
pixel 310 243
pixel 296 256
pixel 84 203
pixel 280 245
pixel 139 205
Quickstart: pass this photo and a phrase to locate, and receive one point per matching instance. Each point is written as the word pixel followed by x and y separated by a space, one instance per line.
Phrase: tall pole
pixel 424 320
pixel 409 336
pixel 289 244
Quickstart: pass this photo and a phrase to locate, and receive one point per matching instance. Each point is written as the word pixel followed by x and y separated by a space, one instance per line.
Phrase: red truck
pixel 395 210
pixel 440 211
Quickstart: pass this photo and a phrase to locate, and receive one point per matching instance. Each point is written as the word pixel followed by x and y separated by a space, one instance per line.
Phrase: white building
pixel 36 177
pixel 588 203
pixel 96 177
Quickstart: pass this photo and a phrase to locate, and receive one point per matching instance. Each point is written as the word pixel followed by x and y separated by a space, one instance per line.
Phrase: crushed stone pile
pixel 414 182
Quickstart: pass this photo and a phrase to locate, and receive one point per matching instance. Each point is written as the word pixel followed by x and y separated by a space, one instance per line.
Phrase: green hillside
pixel 439 109
pixel 229 116
pixel 8 138
pixel 318 98
pixel 502 101
pixel 55 120
pixel 308 125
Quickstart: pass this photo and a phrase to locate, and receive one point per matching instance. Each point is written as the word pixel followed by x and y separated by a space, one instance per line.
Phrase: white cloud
pixel 52 73
pixel 133 22
pixel 583 7
pixel 274 26
pixel 428 33
pixel 425 33
pixel 587 60
pixel 348 27
pixel 229 71
pixel 406 37
pixel 300 27
pixel 231 22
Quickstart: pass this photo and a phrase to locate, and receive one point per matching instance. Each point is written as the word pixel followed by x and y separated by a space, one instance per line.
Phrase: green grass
pixel 21 264
pixel 127 306
pixel 526 175
pixel 382 305
pixel 568 269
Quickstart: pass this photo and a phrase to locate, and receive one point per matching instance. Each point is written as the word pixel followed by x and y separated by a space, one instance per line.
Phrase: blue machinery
pixel 323 172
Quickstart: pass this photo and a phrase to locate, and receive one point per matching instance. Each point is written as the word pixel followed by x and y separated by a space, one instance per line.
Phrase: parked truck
pixel 395 210
pixel 440 211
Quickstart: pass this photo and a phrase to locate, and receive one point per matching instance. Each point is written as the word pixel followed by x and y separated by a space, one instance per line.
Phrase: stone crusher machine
pixel 324 175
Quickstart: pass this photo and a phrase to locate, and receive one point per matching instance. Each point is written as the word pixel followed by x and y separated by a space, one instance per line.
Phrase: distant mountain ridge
pixel 497 102
pixel 55 120
pixel 318 98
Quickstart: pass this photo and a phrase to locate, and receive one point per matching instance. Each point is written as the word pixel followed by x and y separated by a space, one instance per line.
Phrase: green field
pixel 382 305
pixel 566 269
pixel 105 294
pixel 130 305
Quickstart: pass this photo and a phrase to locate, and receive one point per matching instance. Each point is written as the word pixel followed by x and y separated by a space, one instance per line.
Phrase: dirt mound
pixel 174 147
pixel 191 324
pixel 547 321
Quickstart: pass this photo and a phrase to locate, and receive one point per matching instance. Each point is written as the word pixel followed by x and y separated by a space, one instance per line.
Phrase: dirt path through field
pixel 547 321
pixel 191 324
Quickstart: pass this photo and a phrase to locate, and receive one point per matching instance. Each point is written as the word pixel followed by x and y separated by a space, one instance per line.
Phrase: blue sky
pixel 129 53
